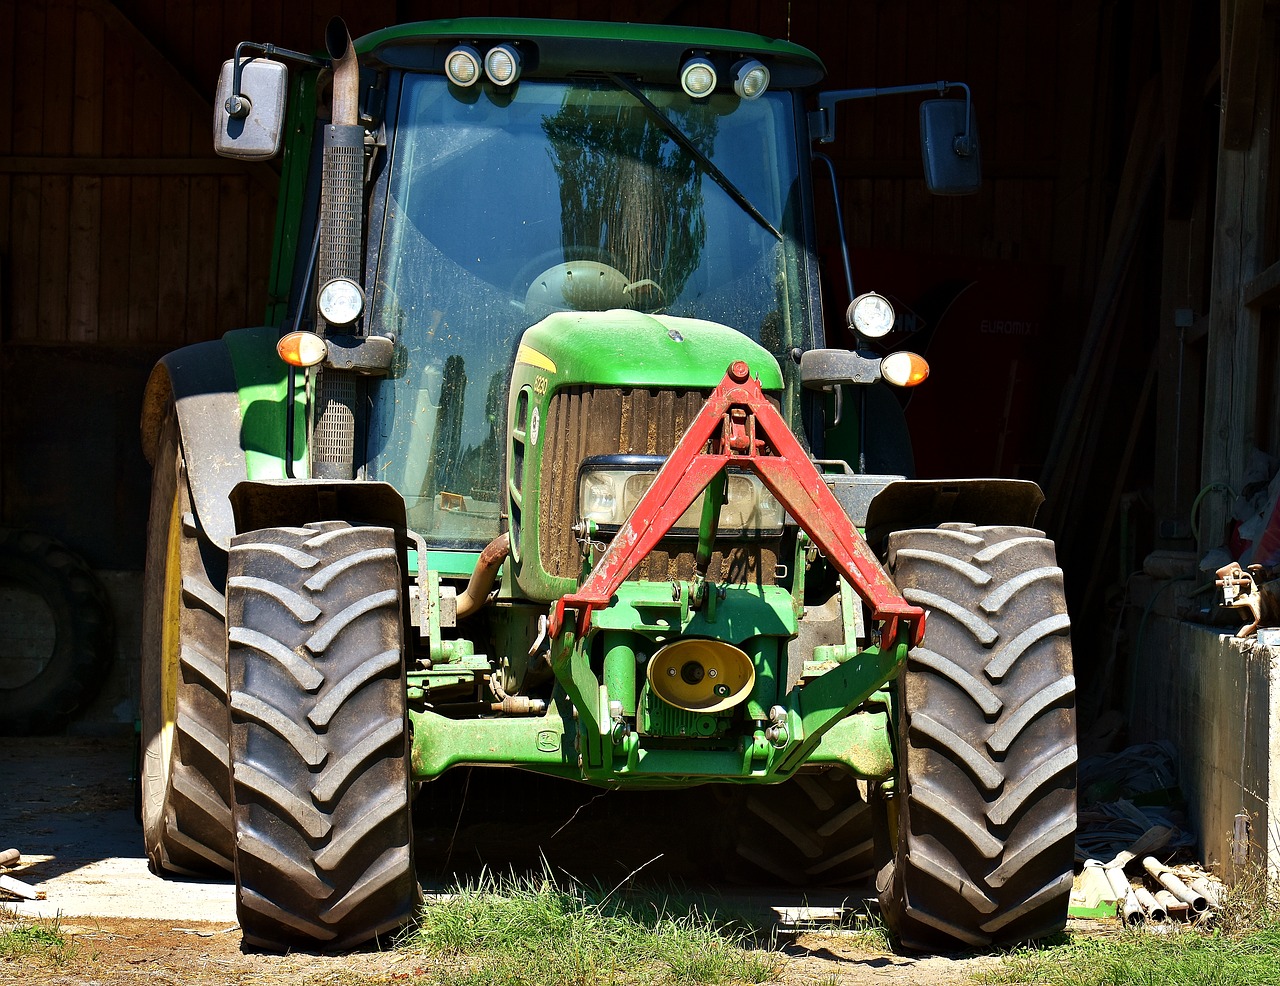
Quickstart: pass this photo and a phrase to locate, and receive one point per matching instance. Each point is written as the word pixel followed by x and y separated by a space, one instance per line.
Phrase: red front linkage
pixel 738 426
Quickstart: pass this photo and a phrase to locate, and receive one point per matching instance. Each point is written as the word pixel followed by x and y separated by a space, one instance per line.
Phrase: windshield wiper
pixel 707 165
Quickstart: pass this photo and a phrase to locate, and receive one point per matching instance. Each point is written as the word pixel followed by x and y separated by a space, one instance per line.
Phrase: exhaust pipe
pixel 482 579
pixel 341 251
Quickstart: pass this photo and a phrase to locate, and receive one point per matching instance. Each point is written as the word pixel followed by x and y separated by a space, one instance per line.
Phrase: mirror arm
pixel 237 106
pixel 823 122
pixel 839 218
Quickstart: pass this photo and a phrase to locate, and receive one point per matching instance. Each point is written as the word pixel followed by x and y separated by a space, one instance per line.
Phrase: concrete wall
pixel 1217 698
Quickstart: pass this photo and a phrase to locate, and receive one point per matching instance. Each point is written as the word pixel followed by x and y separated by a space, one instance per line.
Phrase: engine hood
pixel 622 348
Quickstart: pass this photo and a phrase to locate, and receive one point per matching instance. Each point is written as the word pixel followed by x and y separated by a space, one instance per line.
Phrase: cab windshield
pixel 496 201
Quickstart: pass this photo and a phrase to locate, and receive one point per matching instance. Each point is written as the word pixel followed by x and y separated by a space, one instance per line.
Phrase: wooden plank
pixel 202 263
pixel 55 207
pixel 1242 47
pixel 157 166
pixel 144 259
pixel 1263 290
pixel 58 87
pixel 233 275
pixel 1231 361
pixel 176 117
pixel 28 71
pixel 892 112
pixel 1086 34
pixel 157 63
pixel 118 97
pixel 8 78
pixel 1016 94
pixel 175 233
pixel 24 260
pixel 83 259
pixel 1074 418
pixel 886 206
pixel 86 128
pixel 113 261
pixel 1176 478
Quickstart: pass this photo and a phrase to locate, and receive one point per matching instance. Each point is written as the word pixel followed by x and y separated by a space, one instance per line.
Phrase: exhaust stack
pixel 341 251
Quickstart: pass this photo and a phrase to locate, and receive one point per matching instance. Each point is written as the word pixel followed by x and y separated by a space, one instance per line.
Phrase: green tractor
pixel 540 462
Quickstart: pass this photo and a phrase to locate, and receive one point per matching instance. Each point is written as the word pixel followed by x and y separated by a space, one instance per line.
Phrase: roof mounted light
pixel 341 301
pixel 302 349
pixel 871 315
pixel 903 369
pixel 750 79
pixel 462 66
pixel 697 77
pixel 502 65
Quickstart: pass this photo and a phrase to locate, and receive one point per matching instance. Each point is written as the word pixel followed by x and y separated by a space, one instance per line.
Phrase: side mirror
pixel 949 145
pixel 248 125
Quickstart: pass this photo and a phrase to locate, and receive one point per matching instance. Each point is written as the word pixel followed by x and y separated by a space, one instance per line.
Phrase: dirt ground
pixel 125 952
pixel 69 808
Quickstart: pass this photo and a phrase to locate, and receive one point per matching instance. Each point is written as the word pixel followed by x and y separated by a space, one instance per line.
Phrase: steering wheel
pixel 592 282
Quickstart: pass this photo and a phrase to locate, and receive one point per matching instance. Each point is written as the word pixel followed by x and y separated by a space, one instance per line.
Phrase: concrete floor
pixel 69 809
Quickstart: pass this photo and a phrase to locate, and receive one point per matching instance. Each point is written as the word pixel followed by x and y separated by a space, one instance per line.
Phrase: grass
pixel 543 931
pixel 43 941
pixel 1241 949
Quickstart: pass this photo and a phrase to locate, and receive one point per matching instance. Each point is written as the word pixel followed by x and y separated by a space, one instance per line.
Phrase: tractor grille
pixel 587 421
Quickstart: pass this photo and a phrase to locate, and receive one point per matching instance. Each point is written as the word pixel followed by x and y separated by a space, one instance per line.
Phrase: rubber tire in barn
pixel 185 775
pixel 81 628
pixel 319 737
pixel 986 783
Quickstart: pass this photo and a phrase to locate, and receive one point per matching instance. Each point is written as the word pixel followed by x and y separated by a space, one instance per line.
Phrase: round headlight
pixel 341 301
pixel 697 77
pixel 462 66
pixel 502 65
pixel 750 78
pixel 871 314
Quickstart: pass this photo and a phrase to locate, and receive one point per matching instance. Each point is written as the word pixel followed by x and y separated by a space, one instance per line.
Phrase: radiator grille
pixel 586 421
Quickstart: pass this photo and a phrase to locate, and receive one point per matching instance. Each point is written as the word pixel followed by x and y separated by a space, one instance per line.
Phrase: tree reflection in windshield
pixel 627 190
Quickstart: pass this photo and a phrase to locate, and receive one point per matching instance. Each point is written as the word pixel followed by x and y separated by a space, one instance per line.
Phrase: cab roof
pixel 650 53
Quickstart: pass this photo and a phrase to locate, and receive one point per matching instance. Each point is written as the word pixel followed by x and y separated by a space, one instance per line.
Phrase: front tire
pixel 987 744
pixel 319 737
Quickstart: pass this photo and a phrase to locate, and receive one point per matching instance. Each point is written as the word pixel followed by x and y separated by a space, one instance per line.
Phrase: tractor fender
pixel 201 382
pixel 263 503
pixel 930 502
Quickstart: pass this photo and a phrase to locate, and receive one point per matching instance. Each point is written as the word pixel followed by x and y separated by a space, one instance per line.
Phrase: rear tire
pixel 319 737
pixel 986 787
pixel 812 830
pixel 185 777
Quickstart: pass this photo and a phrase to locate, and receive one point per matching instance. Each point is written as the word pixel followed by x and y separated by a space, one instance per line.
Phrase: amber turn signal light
pixel 302 349
pixel 904 369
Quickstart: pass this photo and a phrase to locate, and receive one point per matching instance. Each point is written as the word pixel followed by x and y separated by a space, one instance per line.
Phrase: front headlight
pixel 610 486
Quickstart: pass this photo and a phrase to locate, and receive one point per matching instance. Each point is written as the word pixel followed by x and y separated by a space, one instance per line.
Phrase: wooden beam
pixel 126 166
pixel 1263 291
pixel 1242 49
pixel 1184 65
pixel 1076 410
pixel 1231 361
